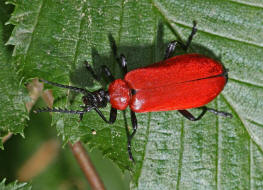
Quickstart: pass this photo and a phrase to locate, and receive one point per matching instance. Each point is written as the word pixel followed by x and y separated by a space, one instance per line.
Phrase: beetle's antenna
pixel 73 88
pixel 47 109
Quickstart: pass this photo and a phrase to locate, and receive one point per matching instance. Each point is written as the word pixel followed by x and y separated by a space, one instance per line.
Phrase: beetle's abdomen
pixel 119 94
pixel 181 82
pixel 179 96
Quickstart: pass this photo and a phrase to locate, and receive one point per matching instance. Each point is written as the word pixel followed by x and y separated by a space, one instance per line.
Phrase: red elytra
pixel 181 82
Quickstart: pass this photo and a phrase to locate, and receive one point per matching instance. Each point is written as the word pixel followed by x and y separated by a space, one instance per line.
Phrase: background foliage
pixel 14 186
pixel 52 39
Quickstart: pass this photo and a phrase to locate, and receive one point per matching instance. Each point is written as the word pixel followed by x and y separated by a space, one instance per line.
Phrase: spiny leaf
pixel 53 38
pixel 15 186
pixel 13 112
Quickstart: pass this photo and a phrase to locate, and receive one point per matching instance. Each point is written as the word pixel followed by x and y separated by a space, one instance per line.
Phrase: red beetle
pixel 177 83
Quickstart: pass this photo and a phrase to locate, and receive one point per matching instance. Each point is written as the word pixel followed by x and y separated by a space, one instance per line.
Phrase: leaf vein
pixel 34 27
pixel 146 142
pixel 218 155
pixel 120 29
pixel 121 20
pixel 247 3
pixel 245 83
pixel 180 161
pixel 169 20
pixel 79 34
pixel 255 123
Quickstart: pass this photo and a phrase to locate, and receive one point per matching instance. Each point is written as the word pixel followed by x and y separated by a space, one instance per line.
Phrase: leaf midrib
pixel 168 20
pixel 246 3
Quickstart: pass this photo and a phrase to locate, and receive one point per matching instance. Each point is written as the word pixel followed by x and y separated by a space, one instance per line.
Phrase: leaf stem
pixel 87 166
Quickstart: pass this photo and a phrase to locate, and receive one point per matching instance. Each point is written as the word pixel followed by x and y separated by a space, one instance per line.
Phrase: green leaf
pixel 13 112
pixel 15 186
pixel 53 38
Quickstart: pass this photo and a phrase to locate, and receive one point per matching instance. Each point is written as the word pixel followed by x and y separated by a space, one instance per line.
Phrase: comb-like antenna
pixel 76 89
pixel 47 109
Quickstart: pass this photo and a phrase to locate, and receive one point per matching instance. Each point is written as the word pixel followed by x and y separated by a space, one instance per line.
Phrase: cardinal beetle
pixel 175 83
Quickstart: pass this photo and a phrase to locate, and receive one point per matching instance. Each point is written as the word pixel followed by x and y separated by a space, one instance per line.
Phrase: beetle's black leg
pixel 170 49
pixel 90 69
pixel 129 137
pixel 189 116
pixel 220 113
pixel 85 109
pixel 107 72
pixel 113 115
pixel 80 117
pixel 123 64
pixel 172 45
pixel 194 30
pixel 105 69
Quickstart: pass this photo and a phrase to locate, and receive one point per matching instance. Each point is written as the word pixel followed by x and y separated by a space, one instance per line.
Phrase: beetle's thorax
pixel 98 98
pixel 120 94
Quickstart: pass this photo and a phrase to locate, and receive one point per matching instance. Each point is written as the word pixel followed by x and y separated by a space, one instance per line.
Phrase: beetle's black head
pixel 91 100
pixel 98 98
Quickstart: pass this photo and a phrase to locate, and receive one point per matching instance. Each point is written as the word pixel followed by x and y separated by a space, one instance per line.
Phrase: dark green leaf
pixel 53 38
